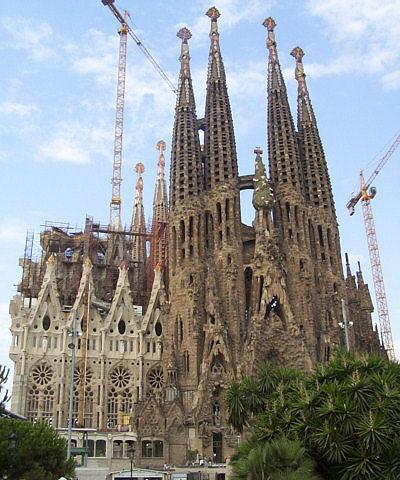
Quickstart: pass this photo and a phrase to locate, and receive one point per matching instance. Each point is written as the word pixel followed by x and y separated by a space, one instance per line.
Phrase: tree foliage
pixel 4 397
pixel 279 459
pixel 346 414
pixel 40 453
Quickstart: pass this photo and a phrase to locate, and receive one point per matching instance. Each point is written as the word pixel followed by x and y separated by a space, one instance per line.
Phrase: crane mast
pixel 380 293
pixel 365 194
pixel 116 181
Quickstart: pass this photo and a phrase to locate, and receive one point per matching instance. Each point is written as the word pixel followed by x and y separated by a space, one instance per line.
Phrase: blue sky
pixel 57 108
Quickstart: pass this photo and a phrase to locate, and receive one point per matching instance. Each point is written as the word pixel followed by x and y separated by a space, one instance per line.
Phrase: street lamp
pixel 72 346
pixel 12 448
pixel 131 454
pixel 345 325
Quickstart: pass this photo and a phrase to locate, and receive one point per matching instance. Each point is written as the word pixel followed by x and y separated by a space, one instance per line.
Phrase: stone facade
pixel 158 347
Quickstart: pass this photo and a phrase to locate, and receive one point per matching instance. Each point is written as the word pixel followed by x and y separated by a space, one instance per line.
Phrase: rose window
pixel 77 375
pixel 120 377
pixel 42 374
pixel 156 378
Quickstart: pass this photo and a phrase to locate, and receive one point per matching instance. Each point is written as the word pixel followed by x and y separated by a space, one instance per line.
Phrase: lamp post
pixel 12 448
pixel 72 346
pixel 131 454
pixel 345 325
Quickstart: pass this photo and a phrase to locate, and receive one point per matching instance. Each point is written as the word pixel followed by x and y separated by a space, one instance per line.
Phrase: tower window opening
pixel 182 231
pixel 260 291
pixel 321 238
pixel 219 213
pixel 248 281
pixel 191 227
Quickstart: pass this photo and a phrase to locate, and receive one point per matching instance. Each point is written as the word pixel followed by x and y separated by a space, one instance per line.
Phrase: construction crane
pixel 139 43
pixel 116 181
pixel 115 222
pixel 366 194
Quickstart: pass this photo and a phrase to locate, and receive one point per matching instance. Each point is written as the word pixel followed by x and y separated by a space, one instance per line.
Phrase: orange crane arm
pixel 121 19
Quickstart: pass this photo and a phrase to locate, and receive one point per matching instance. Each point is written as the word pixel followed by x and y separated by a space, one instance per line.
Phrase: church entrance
pixel 217 447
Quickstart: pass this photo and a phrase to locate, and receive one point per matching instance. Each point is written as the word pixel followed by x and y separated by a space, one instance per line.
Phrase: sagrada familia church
pixel 160 333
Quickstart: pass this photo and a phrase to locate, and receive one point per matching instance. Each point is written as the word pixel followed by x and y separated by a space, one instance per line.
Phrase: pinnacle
pixel 161 145
pixel 213 13
pixel 270 24
pixel 184 34
pixel 297 53
pixel 139 168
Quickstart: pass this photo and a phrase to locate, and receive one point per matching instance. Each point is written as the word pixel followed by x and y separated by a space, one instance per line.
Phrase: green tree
pixel 4 397
pixel 40 453
pixel 279 459
pixel 346 414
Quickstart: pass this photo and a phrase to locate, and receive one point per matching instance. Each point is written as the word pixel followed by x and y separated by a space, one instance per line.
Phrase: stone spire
pixel 350 280
pixel 219 137
pixel 284 159
pixel 160 203
pixel 186 157
pixel 158 253
pixel 360 278
pixel 138 219
pixel 139 226
pixel 317 185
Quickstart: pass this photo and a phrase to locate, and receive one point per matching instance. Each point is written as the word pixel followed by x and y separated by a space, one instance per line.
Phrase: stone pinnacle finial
pixel 161 145
pixel 139 167
pixel 184 34
pixel 258 151
pixel 298 54
pixel 213 13
pixel 270 24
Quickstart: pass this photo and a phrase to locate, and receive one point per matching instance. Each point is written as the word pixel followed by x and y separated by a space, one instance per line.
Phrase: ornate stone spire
pixel 304 112
pixel 160 203
pixel 350 280
pixel 317 185
pixel 139 226
pixel 284 158
pixel 185 156
pixel 138 219
pixel 215 65
pixel 360 278
pixel 185 93
pixel 219 136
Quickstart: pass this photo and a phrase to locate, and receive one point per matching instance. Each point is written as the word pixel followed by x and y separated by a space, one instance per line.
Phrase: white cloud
pixel 33 36
pixel 391 80
pixel 20 109
pixel 354 258
pixel 366 35
pixel 95 55
pixel 246 79
pixel 12 230
pixel 75 143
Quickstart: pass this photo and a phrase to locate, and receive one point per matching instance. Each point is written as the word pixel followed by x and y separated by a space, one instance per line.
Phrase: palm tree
pixel 346 414
pixel 279 459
